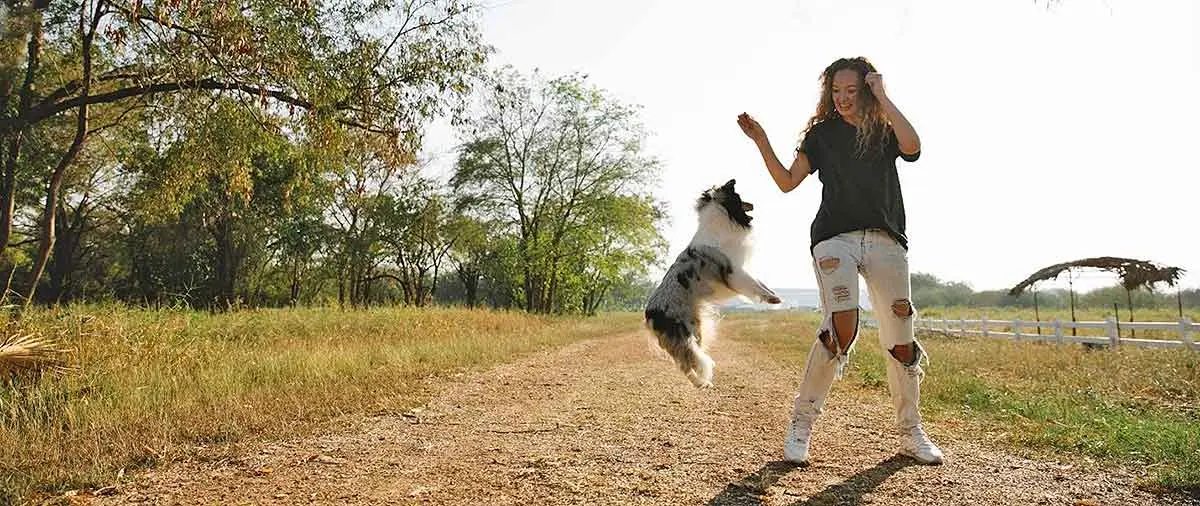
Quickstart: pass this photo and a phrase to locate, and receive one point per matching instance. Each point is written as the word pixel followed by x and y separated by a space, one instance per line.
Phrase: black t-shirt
pixel 858 192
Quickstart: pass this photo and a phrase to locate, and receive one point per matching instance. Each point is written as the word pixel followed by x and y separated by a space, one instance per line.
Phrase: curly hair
pixel 874 127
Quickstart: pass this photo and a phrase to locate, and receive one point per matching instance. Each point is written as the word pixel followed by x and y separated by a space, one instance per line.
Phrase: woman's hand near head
pixel 874 81
pixel 906 135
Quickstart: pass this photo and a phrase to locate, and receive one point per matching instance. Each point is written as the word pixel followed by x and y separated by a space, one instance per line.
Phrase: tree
pixel 84 225
pixel 301 234
pixel 420 233
pixel 471 253
pixel 364 176
pixel 215 171
pixel 326 60
pixel 542 159
pixel 619 246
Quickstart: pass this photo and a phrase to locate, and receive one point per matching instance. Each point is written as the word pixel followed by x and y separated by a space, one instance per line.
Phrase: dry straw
pixel 23 354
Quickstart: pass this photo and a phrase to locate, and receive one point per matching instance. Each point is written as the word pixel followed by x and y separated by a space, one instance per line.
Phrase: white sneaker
pixel 795 445
pixel 916 444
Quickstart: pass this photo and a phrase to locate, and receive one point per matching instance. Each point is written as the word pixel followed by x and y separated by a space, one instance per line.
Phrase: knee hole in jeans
pixel 843 332
pixel 908 354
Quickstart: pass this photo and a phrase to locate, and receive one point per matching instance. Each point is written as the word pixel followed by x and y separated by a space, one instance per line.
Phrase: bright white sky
pixel 1048 134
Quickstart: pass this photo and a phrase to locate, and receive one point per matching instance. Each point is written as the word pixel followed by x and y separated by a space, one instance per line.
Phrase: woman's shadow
pixel 748 490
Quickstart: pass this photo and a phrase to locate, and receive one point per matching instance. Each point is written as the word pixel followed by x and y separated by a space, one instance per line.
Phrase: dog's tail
pixel 652 345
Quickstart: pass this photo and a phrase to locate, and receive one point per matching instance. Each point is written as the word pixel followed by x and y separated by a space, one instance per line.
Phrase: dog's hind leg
pixel 693 361
pixel 702 374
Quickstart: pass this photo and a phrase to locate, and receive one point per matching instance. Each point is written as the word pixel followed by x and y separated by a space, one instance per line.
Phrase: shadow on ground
pixel 748 490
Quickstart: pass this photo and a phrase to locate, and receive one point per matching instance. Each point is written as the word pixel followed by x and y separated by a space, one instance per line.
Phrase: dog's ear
pixel 730 184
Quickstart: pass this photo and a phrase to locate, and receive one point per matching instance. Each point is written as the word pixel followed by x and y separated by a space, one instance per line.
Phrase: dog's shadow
pixel 748 490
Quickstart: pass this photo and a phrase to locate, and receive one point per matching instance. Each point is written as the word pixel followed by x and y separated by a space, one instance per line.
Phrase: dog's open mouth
pixel 746 206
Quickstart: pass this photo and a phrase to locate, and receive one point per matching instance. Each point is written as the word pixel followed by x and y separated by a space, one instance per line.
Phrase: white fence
pixel 1057 331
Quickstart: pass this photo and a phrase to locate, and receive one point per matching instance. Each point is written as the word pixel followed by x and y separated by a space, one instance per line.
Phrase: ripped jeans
pixel 883 264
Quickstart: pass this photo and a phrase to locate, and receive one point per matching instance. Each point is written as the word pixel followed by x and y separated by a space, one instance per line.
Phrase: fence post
pixel 983 323
pixel 1185 334
pixel 1058 333
pixel 962 326
pixel 1114 337
pixel 946 325
pixel 1017 330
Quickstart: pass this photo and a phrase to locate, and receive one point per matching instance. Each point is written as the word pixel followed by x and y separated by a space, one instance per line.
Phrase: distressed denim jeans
pixel 883 264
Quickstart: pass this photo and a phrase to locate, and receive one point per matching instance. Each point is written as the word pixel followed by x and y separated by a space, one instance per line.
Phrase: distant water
pixel 805 299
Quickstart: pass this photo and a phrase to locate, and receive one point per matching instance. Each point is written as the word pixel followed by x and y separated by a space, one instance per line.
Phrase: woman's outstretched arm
pixel 786 179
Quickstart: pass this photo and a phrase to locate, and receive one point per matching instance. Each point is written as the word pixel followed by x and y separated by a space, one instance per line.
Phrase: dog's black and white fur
pixel 680 311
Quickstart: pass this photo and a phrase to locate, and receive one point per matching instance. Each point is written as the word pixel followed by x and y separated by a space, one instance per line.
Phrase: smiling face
pixel 845 96
pixel 727 199
pixel 845 89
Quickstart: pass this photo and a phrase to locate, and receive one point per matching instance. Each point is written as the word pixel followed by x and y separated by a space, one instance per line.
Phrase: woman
pixel 852 143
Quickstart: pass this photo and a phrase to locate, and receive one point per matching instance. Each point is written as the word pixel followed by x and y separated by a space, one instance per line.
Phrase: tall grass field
pixel 139 387
pixel 143 386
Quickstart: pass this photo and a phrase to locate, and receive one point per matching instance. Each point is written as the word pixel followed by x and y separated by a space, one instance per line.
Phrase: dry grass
pixel 149 386
pixel 28 355
pixel 1131 406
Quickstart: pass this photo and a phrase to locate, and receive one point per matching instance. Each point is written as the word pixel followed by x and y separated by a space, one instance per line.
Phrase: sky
pixel 1049 133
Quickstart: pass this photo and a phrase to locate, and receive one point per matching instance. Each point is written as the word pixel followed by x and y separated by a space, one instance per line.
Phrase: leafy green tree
pixel 324 66
pixel 470 254
pixel 544 159
pixel 363 176
pixel 419 232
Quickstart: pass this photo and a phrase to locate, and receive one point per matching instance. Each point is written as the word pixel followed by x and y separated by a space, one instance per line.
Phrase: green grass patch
pixel 148 386
pixel 1130 406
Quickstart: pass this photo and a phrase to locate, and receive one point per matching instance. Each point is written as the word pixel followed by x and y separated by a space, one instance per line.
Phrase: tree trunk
pixel 46 241
pixel 552 288
pixel 12 139
pixel 366 292
pixel 593 300
pixel 294 290
pixel 356 275
pixel 64 259
pixel 434 282
pixel 419 290
pixel 342 288
pixel 226 264
pixel 49 214
pixel 527 284
pixel 469 276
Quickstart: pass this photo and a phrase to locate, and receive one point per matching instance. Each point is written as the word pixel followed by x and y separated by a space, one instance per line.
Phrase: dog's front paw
pixel 772 299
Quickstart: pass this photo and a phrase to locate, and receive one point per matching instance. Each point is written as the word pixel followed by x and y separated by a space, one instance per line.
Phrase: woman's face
pixel 845 92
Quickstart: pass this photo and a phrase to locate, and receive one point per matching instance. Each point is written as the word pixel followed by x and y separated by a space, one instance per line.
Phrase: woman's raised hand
pixel 751 128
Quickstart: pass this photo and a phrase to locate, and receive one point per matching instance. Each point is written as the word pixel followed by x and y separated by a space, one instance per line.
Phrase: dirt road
pixel 604 422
